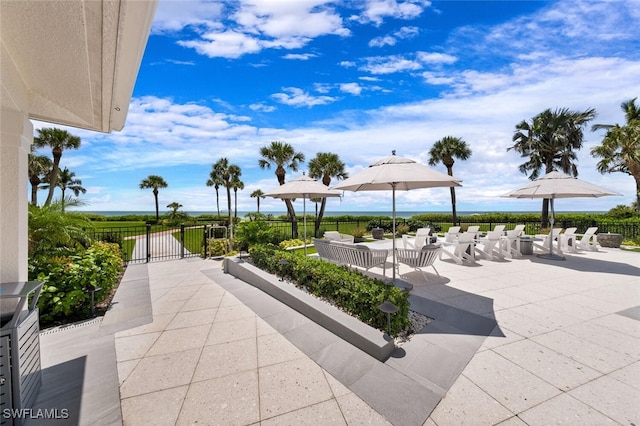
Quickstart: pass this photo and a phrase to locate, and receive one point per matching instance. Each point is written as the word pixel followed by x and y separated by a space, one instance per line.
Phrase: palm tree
pixel 155 182
pixel 67 180
pixel 445 151
pixel 236 184
pixel 620 148
pixel 283 156
pixel 39 168
pixel 227 173
pixel 550 142
pixel 58 140
pixel 257 194
pixel 325 165
pixel 215 181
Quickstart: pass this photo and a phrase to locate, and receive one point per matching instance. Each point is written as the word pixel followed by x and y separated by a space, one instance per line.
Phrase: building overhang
pixel 78 59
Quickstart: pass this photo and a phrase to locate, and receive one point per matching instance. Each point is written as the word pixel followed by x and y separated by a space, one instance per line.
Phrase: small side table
pixel 526 246
pixel 377 233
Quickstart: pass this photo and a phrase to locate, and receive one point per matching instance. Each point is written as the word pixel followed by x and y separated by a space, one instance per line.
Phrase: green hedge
pixel 68 278
pixel 348 289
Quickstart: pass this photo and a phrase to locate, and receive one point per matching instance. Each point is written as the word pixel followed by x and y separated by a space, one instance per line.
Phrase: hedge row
pixel 69 279
pixel 350 290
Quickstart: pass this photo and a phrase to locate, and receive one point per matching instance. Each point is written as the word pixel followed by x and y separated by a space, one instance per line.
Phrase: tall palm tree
pixel 39 168
pixel 325 165
pixel 445 151
pixel 620 148
pixel 58 140
pixel 236 184
pixel 257 194
pixel 67 180
pixel 549 142
pixel 155 182
pixel 215 181
pixel 283 156
pixel 227 173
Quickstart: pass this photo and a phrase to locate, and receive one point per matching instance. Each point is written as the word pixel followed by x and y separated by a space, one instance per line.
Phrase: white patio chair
pixel 452 234
pixel 589 240
pixel 520 229
pixel 336 236
pixel 421 238
pixel 568 240
pixel 511 243
pixel 473 229
pixel 419 259
pixel 462 249
pixel 499 228
pixel 544 246
pixel 491 246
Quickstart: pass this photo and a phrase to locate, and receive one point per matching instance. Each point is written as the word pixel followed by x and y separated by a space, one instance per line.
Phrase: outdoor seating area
pixel 351 254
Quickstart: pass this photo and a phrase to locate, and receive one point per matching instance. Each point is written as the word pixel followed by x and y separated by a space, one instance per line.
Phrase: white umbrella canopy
pixel 303 187
pixel 396 174
pixel 558 185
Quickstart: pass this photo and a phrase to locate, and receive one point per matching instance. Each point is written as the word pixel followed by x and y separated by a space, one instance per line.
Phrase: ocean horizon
pixel 399 214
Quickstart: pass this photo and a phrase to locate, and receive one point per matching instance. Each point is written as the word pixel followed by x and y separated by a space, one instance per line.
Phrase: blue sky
pixel 360 78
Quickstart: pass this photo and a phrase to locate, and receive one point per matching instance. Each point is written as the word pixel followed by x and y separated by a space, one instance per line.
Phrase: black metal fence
pixel 156 242
pixel 628 230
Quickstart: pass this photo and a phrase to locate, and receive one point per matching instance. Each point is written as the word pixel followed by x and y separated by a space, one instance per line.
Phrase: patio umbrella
pixel 396 174
pixel 558 185
pixel 303 187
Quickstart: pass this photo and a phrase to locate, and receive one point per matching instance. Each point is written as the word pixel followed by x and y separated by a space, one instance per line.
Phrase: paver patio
pixel 563 348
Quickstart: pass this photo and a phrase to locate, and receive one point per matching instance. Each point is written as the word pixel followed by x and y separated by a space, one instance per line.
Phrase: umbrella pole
pixel 304 221
pixel 393 227
pixel 552 221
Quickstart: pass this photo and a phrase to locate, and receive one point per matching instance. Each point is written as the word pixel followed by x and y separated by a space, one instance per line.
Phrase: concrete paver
pixel 522 341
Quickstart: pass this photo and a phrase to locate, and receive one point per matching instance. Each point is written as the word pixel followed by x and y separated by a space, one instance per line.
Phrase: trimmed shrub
pixel 350 290
pixel 216 247
pixel 68 281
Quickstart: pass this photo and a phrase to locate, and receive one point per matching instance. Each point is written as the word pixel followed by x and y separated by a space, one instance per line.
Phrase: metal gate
pixel 141 244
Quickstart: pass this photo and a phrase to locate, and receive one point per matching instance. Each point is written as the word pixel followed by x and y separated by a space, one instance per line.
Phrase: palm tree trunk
pixel 62 201
pixel 319 216
pixel 258 204
pixel 155 195
pixel 453 205
pixel 292 216
pixel 53 179
pixel 544 215
pixel 34 191
pixel 218 203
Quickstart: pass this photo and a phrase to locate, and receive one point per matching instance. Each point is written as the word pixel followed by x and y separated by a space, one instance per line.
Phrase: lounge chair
pixel 568 240
pixel 499 228
pixel 544 246
pixel 418 259
pixel 473 229
pixel 491 246
pixel 589 240
pixel 461 249
pixel 511 243
pixel 423 235
pixel 452 234
pixel 336 236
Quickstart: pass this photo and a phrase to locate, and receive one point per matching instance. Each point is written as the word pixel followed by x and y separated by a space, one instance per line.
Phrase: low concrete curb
pixel 362 336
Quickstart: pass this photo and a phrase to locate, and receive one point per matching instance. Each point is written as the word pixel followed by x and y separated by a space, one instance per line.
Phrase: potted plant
pixel 358 234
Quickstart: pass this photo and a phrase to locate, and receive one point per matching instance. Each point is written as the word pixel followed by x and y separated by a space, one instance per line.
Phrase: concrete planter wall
pixel 610 240
pixel 359 334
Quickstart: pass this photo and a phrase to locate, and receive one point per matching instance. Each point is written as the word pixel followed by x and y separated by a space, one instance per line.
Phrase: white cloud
pixel 172 15
pixel 347 64
pixel 299 56
pixel 262 107
pixel 352 88
pixel 435 58
pixel 376 11
pixel 296 97
pixel 382 41
pixel 254 25
pixel 227 44
pixel 389 64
